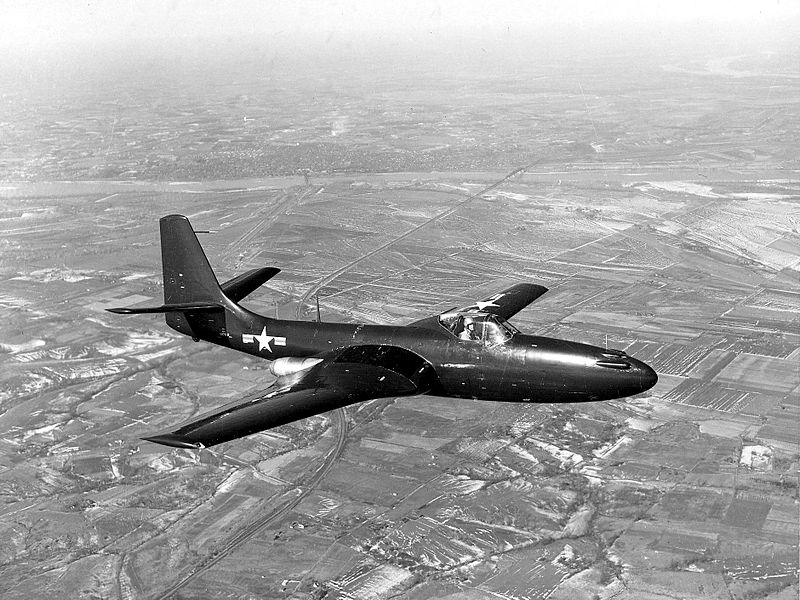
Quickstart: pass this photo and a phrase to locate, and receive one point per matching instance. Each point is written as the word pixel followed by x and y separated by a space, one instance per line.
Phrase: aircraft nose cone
pixel 646 375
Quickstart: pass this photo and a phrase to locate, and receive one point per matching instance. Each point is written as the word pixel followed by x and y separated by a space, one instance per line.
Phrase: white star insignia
pixel 485 305
pixel 263 340
pixel 490 302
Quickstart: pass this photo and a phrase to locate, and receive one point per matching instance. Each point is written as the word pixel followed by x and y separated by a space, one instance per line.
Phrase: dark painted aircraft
pixel 468 353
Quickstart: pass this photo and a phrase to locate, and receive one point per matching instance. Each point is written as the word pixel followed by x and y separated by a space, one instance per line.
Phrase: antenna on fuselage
pixel 319 318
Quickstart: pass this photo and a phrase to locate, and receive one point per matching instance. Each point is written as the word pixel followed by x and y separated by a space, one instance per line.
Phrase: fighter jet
pixel 473 352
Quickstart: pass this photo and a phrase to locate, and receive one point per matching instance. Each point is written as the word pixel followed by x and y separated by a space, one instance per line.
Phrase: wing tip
pixel 539 288
pixel 174 440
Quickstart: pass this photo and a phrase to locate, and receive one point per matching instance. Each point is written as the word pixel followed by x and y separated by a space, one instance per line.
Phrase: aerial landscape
pixel 659 202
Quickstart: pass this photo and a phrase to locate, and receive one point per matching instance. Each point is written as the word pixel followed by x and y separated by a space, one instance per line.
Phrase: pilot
pixel 468 332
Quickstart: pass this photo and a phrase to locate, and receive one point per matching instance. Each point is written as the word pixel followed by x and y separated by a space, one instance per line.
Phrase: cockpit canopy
pixel 481 327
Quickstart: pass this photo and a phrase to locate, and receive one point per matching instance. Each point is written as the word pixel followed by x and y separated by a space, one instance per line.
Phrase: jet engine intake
pixel 289 365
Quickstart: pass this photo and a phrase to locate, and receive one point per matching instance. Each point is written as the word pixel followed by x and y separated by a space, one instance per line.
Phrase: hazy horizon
pixel 521 52
pixel 47 34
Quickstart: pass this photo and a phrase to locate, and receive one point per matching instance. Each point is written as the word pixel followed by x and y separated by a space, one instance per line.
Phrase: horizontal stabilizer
pixel 245 284
pixel 167 308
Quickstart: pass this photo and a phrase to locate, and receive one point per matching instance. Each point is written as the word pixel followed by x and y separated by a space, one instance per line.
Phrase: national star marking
pixel 263 340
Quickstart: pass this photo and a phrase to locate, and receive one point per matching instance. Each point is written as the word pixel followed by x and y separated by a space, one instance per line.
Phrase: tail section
pixel 188 278
pixel 190 285
pixel 194 302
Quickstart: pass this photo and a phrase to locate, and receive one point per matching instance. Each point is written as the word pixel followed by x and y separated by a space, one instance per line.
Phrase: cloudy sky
pixel 48 25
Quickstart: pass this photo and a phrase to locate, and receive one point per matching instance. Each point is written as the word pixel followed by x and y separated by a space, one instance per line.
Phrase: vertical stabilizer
pixel 188 279
pixel 194 302
pixel 187 274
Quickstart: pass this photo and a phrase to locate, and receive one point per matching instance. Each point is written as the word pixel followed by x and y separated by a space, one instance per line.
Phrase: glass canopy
pixel 488 329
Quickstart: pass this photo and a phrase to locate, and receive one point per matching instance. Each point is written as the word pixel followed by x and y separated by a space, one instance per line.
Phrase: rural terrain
pixel 661 206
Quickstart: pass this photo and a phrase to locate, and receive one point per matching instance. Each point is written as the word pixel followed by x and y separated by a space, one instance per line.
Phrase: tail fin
pixel 194 301
pixel 189 281
pixel 188 278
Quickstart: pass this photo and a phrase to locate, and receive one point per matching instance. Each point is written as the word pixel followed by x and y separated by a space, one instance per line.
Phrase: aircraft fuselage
pixel 524 369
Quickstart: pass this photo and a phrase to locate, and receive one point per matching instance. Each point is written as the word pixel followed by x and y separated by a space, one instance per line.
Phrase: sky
pixel 52 25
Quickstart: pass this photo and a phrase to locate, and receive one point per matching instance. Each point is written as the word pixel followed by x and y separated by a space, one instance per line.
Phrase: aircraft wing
pixel 509 302
pixel 505 304
pixel 343 377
